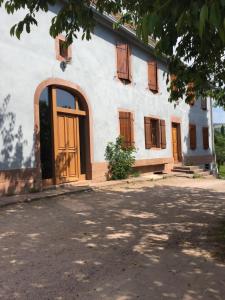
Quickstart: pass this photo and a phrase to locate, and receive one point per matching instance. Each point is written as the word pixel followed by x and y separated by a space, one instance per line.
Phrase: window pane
pixel 65 99
pixel 45 135
pixel 63 49
pixel 154 132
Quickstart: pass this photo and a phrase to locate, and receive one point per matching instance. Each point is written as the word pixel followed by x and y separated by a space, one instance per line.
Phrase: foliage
pixel 120 159
pixel 220 148
pixel 222 130
pixel 222 171
pixel 189 35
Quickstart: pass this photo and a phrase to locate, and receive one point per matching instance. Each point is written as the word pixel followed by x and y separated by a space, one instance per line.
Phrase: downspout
pixel 214 166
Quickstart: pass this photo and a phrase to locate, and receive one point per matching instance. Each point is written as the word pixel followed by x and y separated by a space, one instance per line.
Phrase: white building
pixel 56 118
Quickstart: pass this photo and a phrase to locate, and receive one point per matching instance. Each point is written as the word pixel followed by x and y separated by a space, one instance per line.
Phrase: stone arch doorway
pixel 62 133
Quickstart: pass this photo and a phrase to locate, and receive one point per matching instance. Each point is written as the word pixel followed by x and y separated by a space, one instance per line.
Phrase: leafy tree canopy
pixel 220 147
pixel 189 33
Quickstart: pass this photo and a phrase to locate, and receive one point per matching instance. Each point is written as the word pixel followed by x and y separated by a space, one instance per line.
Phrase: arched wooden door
pixel 65 113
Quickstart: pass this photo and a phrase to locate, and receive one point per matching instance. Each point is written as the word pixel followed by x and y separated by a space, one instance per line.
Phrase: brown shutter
pixel 123 61
pixel 205 135
pixel 163 134
pixel 148 134
pixel 126 128
pixel 172 78
pixel 204 103
pixel 152 76
pixel 191 93
pixel 192 134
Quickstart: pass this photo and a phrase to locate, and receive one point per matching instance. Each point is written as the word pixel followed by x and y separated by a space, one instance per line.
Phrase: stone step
pixel 186 168
pixel 180 170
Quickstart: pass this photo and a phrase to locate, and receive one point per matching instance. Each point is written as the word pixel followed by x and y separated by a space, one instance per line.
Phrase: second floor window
pixel 63 52
pixel 153 76
pixel 123 62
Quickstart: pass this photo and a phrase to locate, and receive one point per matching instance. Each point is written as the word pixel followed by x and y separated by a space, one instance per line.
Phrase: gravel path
pixel 152 240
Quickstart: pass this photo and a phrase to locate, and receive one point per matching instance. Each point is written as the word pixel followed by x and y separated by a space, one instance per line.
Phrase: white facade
pixel 27 62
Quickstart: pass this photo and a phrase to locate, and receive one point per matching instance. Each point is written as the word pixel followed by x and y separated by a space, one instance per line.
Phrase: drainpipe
pixel 214 166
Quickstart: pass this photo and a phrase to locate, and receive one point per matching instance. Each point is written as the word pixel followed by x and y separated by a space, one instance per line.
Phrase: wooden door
pixel 176 142
pixel 67 159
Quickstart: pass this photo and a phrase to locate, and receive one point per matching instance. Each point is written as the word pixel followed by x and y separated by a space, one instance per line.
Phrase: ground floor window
pixel 126 128
pixel 155 133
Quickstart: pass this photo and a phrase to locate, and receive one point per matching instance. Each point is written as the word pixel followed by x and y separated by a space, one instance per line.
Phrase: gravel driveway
pixel 155 240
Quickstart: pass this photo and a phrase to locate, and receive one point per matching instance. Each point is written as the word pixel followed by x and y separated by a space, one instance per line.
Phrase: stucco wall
pixel 28 62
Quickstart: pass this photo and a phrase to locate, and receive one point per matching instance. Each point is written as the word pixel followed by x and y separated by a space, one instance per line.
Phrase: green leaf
pixel 215 15
pixel 203 19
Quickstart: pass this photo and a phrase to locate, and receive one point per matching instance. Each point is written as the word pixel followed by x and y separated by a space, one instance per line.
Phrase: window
pixel 155 133
pixel 65 99
pixel 126 128
pixel 123 61
pixel 173 78
pixel 192 136
pixel 191 93
pixel 205 136
pixel 204 104
pixel 63 52
pixel 153 76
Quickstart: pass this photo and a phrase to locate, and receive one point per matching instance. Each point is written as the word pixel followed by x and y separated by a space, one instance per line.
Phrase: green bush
pixel 120 159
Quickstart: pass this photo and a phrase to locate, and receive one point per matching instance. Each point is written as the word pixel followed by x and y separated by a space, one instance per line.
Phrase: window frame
pixel 59 39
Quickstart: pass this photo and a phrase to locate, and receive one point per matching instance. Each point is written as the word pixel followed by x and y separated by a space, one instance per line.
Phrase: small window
pixel 63 52
pixel 191 94
pixel 63 49
pixel 204 104
pixel 65 99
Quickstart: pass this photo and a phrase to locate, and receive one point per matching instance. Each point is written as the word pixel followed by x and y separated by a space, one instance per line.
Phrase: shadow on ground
pixel 152 242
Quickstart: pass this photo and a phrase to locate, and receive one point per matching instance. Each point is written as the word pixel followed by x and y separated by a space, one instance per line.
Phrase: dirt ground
pixel 152 240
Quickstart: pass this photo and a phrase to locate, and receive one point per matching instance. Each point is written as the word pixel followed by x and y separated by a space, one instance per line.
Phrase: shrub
pixel 120 159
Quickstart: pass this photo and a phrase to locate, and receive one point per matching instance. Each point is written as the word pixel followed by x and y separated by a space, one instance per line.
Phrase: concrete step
pixel 180 170
pixel 190 171
pixel 204 173
pixel 186 168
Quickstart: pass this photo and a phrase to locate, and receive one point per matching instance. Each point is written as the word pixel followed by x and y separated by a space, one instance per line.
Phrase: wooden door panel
pixel 72 165
pixel 62 164
pixel 71 132
pixel 61 132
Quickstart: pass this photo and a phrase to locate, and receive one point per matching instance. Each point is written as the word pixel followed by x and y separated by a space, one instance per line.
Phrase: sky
pixel 218 115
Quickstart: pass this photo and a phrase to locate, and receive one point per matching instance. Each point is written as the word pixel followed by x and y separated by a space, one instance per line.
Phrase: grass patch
pixel 135 173
pixel 196 175
pixel 222 172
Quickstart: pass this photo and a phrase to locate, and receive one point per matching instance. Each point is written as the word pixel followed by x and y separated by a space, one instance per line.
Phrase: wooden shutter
pixel 172 78
pixel 205 135
pixel 148 134
pixel 126 128
pixel 191 93
pixel 204 103
pixel 152 76
pixel 192 134
pixel 163 134
pixel 123 61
